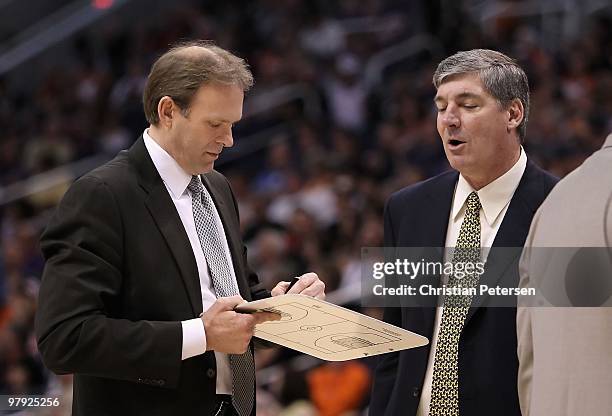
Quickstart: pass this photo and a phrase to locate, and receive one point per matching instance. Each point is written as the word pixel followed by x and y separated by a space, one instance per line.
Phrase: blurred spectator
pixel 347 94
pixel 338 388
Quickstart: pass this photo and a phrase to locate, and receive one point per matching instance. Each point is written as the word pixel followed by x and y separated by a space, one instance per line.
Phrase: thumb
pixel 228 303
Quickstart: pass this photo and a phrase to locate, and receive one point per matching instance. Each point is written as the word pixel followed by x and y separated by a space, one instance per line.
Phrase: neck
pixel 478 182
pixel 159 137
pixel 167 142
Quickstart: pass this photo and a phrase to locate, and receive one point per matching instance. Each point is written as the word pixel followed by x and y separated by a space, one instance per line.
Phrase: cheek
pixel 440 127
pixel 482 129
pixel 206 136
pixel 492 124
pixel 193 148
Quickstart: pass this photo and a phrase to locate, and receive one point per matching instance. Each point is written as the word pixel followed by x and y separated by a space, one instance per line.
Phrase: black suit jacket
pixel 417 216
pixel 120 276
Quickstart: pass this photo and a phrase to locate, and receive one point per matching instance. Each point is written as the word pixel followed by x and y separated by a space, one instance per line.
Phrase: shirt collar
pixel 496 195
pixel 175 178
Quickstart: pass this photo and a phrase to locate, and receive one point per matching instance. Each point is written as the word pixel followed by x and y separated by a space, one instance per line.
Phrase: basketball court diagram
pixel 328 331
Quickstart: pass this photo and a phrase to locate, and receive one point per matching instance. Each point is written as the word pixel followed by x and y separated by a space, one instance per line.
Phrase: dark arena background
pixel 341 115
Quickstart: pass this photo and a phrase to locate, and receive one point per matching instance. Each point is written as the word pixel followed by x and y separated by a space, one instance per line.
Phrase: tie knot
pixel 195 186
pixel 473 202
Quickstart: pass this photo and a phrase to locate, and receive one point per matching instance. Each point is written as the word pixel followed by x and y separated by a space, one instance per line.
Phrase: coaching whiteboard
pixel 328 331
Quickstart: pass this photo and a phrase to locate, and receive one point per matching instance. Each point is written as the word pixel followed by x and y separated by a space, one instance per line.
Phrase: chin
pixel 207 168
pixel 461 166
pixel 454 163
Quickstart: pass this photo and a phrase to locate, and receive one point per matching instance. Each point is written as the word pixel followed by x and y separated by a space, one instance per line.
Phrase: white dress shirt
pixel 494 199
pixel 176 181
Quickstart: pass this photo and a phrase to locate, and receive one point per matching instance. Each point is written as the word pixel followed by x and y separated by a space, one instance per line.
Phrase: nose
pixel 228 139
pixel 450 118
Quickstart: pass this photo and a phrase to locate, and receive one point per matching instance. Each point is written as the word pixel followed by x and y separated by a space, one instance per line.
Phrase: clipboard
pixel 327 331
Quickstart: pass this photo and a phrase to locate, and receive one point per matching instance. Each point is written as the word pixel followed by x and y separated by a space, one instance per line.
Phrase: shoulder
pixel 111 173
pixel 416 193
pixel 118 177
pixel 103 189
pixel 546 179
pixel 536 184
pixel 91 206
pixel 115 171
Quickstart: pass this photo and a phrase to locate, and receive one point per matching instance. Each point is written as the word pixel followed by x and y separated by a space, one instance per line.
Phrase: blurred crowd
pixel 314 195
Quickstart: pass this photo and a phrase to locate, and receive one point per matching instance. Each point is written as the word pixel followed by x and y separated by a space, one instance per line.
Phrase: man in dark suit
pixel 470 365
pixel 145 263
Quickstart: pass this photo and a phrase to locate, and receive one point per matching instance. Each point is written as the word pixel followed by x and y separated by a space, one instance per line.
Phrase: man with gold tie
pixel 488 200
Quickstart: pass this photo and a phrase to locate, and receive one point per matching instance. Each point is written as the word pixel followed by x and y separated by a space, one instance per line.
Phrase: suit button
pixel 416 392
pixel 210 373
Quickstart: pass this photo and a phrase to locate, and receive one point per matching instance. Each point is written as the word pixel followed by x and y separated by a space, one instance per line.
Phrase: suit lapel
pixel 232 234
pixel 168 222
pixel 512 232
pixel 431 229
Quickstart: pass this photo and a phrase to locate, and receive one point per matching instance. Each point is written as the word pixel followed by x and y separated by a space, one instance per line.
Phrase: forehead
pixel 461 85
pixel 221 101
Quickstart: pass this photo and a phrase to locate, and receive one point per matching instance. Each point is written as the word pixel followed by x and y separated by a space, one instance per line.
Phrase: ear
pixel 166 110
pixel 516 113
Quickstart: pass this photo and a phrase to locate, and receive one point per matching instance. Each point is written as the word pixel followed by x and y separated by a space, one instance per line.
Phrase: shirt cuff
pixel 194 338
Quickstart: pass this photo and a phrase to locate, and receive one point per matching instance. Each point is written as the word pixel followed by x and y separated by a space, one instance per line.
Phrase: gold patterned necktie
pixel 445 383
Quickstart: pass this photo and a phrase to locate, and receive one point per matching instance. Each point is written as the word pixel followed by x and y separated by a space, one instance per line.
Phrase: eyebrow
pixel 461 96
pixel 222 120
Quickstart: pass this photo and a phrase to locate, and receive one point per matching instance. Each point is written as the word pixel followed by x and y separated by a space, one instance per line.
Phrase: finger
pixel 261 317
pixel 280 289
pixel 300 285
pixel 309 275
pixel 314 290
pixel 229 303
pixel 306 280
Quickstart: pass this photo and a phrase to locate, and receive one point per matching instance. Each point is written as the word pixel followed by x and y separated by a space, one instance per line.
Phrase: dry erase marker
pixel 293 282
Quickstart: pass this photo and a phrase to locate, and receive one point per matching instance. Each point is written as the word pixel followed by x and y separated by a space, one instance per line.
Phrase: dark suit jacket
pixel 120 276
pixel 417 216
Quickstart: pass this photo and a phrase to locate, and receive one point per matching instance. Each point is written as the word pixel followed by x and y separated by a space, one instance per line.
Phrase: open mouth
pixel 455 142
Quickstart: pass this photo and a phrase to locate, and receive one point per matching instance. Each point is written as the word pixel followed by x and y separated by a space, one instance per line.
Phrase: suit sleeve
pixel 524 326
pixel 81 287
pixel 608 224
pixel 386 370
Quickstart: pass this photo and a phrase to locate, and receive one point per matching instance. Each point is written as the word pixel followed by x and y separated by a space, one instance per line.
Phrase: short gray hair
pixel 501 76
pixel 181 71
